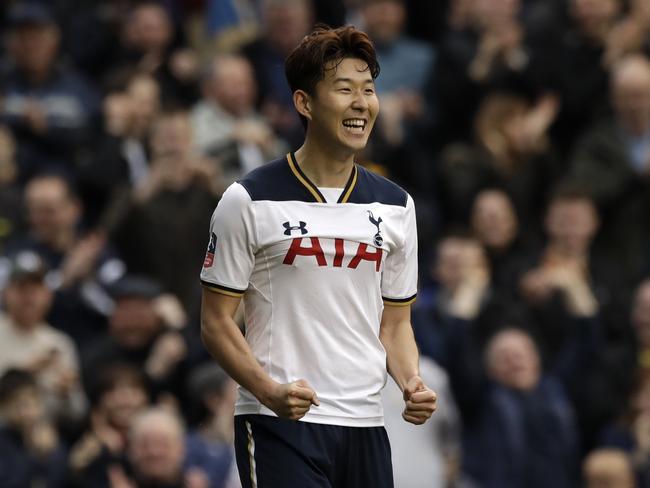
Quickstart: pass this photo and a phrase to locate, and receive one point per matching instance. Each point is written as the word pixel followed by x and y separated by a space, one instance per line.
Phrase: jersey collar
pixel 313 189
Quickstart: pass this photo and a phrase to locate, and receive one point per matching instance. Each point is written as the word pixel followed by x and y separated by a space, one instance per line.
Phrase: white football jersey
pixel 315 276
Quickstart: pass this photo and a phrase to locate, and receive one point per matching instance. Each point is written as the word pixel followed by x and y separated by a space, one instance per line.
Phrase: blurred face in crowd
pixel 641 313
pixel 608 468
pixel 456 256
pixel 513 360
pixel 34 47
pixel 121 403
pixel 286 22
pixel 134 322
pixel 494 220
pixel 571 225
pixel 149 29
pixel 51 209
pixel 27 301
pixel 592 15
pixel 630 92
pixel 118 113
pixel 232 85
pixel 24 408
pixel 144 95
pixel 156 447
pixel 384 19
pixel 171 138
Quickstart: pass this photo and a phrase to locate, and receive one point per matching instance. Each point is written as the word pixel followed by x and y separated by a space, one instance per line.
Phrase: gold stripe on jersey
pixel 395 302
pixel 303 179
pixel 222 289
pixel 352 182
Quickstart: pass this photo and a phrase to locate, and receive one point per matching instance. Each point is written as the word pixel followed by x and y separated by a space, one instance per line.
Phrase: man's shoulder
pixel 273 181
pixel 373 188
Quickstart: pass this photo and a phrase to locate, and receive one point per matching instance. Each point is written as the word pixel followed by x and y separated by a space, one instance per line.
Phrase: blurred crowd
pixel 520 127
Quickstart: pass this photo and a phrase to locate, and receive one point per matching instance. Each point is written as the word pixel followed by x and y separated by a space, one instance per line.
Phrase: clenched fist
pixel 420 401
pixel 292 400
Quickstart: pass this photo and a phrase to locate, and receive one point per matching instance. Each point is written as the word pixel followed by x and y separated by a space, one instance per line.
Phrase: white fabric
pixel 316 316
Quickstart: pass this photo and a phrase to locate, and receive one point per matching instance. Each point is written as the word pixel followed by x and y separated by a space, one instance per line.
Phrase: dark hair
pixel 307 63
pixel 13 381
pixel 110 375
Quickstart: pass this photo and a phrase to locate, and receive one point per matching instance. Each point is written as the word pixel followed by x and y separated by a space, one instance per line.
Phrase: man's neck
pixel 326 167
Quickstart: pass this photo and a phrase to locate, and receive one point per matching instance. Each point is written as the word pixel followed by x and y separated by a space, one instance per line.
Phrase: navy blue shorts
pixel 280 453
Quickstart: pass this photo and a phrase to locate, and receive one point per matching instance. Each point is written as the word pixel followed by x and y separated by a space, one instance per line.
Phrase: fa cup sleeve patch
pixel 209 255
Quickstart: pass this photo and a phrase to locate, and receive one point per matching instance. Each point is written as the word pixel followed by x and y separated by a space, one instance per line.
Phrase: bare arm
pixel 396 335
pixel 227 345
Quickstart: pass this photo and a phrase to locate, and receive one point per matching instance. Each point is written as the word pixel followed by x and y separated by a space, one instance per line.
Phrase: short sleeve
pixel 399 280
pixel 230 255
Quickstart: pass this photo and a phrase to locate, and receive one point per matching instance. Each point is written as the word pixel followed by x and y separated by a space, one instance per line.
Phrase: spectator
pixel 81 265
pixel 612 161
pixel 118 393
pixel 156 453
pixel 121 160
pixel 608 468
pixel 583 75
pixel 406 65
pixel 31 453
pixel 630 432
pixel 226 124
pixel 149 45
pixel 176 199
pixel 511 150
pixel 209 444
pixel 525 433
pixel 285 23
pixel 27 342
pixel 631 35
pixel 496 226
pixel 463 292
pixel 50 109
pixel 139 335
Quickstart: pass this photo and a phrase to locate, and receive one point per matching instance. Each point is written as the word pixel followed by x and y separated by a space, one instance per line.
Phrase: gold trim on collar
pixel 303 179
pixel 352 182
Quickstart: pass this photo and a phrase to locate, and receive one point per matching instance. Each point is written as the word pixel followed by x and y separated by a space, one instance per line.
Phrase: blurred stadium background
pixel 520 127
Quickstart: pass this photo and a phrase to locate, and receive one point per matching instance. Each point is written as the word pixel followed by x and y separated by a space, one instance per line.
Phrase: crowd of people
pixel 520 127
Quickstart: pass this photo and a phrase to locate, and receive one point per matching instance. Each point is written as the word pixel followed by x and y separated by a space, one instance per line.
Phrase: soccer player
pixel 324 254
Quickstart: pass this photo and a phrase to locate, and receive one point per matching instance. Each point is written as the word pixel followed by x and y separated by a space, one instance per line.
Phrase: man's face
pixel 123 402
pixel 234 86
pixel 344 106
pixel 513 360
pixel 384 19
pixel 34 47
pixel 134 322
pixel 23 409
pixel 50 208
pixel 27 301
pixel 494 219
pixel 157 452
pixel 572 224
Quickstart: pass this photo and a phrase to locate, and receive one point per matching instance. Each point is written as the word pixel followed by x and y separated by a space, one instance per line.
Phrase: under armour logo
pixel 302 227
pixel 378 239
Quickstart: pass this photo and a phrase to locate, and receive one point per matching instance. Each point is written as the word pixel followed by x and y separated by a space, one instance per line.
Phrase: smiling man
pixel 324 254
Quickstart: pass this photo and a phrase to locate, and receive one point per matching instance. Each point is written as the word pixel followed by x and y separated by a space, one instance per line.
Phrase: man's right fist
pixel 292 400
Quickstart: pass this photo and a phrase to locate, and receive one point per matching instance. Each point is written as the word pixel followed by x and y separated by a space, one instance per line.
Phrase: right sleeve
pixel 230 256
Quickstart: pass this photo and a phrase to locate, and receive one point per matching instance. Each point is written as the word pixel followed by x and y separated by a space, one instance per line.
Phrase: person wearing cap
pixel 47 105
pixel 138 333
pixel 29 343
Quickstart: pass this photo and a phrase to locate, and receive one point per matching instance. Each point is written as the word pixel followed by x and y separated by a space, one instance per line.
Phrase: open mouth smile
pixel 355 126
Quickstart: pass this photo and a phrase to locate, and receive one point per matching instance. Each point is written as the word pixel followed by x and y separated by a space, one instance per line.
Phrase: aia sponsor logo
pixel 312 248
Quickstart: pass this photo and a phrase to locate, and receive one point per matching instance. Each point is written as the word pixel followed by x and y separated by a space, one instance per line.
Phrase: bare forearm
pixel 225 342
pixel 401 352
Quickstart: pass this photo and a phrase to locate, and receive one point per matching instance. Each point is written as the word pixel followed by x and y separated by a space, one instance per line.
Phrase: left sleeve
pixel 399 280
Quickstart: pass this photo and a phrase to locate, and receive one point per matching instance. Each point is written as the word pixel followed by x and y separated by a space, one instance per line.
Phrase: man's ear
pixel 302 102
